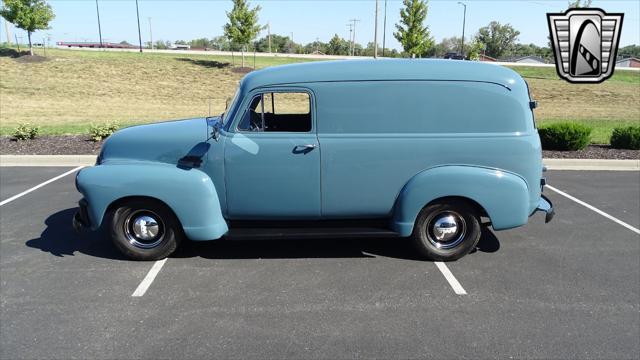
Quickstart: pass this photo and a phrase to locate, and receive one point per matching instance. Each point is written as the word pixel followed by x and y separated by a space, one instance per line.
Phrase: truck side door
pixel 272 161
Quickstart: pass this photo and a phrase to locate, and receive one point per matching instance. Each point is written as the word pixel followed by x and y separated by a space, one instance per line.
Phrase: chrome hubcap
pixel 144 229
pixel 446 230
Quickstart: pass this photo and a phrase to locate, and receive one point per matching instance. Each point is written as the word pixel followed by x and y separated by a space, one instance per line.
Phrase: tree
pixel 579 4
pixel 29 15
pixel 279 43
pixel 411 32
pixel 498 38
pixel 338 46
pixel 243 26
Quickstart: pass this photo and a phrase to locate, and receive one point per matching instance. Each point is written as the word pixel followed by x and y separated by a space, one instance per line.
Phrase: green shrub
pixel 626 138
pixel 100 132
pixel 565 136
pixel 26 132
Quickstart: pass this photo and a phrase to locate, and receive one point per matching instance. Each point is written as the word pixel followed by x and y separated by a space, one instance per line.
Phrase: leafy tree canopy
pixel 411 31
pixel 498 39
pixel 29 15
pixel 243 26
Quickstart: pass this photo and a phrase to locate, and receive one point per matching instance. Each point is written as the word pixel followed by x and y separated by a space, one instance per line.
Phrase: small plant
pixel 626 138
pixel 26 132
pixel 100 132
pixel 565 136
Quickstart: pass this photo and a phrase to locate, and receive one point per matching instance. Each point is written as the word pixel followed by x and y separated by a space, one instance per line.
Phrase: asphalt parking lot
pixel 567 289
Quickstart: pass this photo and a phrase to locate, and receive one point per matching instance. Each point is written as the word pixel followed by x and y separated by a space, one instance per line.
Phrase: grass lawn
pixel 78 88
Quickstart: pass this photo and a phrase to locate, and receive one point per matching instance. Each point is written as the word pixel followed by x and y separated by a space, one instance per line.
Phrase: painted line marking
pixel 39 186
pixel 151 275
pixel 590 207
pixel 457 288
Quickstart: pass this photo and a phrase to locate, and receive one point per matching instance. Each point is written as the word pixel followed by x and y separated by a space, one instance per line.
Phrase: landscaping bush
pixel 565 136
pixel 100 132
pixel 626 138
pixel 26 132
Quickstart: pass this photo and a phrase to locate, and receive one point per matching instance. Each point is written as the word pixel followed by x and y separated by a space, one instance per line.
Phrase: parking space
pixel 567 289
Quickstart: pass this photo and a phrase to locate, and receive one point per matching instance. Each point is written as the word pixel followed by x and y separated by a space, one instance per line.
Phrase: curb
pixel 592 164
pixel 47 160
pixel 551 164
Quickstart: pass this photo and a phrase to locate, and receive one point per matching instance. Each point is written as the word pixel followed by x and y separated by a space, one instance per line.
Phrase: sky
pixel 172 20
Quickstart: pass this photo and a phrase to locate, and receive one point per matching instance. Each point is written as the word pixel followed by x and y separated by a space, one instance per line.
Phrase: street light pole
pixel 375 34
pixel 150 34
pixel 464 19
pixel 384 28
pixel 99 28
pixel 139 33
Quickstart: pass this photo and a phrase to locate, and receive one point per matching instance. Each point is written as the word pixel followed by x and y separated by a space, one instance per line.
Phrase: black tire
pixel 128 235
pixel 462 240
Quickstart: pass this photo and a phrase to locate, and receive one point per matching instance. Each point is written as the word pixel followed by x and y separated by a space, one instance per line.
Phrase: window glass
pixel 291 103
pixel 278 112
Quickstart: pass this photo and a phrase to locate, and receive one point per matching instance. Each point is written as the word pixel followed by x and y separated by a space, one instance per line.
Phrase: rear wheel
pixel 447 230
pixel 145 229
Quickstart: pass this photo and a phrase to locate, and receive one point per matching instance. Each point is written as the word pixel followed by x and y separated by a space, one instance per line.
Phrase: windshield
pixel 230 103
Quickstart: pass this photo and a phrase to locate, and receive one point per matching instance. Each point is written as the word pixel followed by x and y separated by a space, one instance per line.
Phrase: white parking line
pixel 457 288
pixel 151 275
pixel 39 186
pixel 590 207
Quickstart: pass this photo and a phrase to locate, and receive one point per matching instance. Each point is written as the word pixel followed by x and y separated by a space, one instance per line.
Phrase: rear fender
pixel 190 193
pixel 503 196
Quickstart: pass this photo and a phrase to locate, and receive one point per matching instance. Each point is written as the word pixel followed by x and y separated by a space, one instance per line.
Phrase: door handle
pixel 308 146
pixel 303 149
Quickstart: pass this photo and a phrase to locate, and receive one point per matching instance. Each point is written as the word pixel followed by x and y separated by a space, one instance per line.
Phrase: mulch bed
pixel 242 70
pixel 50 145
pixel 81 145
pixel 593 152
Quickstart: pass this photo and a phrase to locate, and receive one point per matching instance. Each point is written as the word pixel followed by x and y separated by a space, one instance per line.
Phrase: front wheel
pixel 145 229
pixel 447 230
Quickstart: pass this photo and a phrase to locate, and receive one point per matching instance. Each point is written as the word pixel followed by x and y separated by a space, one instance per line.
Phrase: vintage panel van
pixel 408 148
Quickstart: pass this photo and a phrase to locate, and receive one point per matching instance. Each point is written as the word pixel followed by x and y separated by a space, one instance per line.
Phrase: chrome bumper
pixel 545 206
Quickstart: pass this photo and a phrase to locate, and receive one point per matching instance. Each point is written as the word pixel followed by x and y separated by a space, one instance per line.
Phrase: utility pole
pixel 350 25
pixel 384 28
pixel 150 34
pixel 139 33
pixel 293 45
pixel 99 28
pixel 269 36
pixel 353 41
pixel 375 34
pixel 464 19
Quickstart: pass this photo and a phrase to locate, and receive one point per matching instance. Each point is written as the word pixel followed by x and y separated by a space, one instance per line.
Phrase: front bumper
pixel 81 218
pixel 545 205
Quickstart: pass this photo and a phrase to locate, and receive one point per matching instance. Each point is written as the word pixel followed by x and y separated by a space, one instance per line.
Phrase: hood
pixel 161 142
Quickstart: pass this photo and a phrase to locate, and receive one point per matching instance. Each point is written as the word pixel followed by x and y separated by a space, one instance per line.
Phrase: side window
pixel 278 112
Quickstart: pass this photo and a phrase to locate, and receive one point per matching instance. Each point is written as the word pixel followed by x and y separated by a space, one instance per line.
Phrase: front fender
pixel 189 193
pixel 504 196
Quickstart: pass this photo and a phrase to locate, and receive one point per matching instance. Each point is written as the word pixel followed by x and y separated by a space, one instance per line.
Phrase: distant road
pixel 284 55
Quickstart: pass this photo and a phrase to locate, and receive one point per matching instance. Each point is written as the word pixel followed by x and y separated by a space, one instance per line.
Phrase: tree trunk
pixel 30 45
pixel 242 56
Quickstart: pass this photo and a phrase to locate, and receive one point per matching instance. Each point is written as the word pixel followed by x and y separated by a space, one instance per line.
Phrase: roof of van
pixel 381 69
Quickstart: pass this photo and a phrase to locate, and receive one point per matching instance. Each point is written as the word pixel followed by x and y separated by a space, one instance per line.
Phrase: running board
pixel 241 230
